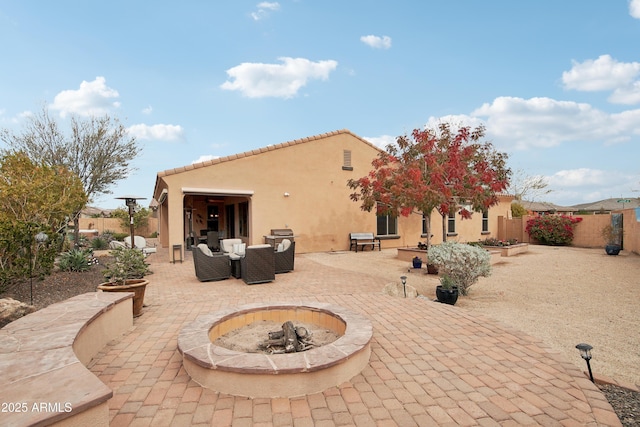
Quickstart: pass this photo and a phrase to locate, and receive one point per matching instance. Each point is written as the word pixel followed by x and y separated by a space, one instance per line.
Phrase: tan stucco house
pixel 299 185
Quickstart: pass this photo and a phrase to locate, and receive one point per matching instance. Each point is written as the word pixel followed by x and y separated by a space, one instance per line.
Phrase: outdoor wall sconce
pixel 286 194
pixel 403 279
pixel 585 353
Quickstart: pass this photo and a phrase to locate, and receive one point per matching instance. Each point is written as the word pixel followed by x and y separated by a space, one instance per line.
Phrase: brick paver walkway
pixel 431 364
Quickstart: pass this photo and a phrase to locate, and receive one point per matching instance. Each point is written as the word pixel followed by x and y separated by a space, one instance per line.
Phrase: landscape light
pixel 585 353
pixel 403 279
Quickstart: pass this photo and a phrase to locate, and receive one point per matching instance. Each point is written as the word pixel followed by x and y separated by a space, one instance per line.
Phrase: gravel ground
pixel 561 295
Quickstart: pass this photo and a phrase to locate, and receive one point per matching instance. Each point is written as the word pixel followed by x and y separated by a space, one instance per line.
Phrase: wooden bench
pixel 43 358
pixel 362 240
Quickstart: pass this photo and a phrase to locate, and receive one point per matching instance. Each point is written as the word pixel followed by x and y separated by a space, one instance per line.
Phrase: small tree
pixel 140 217
pixel 97 149
pixel 437 169
pixel 460 263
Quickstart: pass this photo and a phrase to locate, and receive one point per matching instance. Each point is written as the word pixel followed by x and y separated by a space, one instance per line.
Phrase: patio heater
pixel 131 203
pixel 585 352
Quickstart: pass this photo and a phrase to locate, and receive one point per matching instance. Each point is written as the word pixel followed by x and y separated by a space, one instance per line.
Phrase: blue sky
pixel 556 83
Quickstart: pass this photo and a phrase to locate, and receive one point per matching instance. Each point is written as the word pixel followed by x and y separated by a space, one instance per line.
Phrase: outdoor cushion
pixel 227 244
pixel 205 249
pixel 239 248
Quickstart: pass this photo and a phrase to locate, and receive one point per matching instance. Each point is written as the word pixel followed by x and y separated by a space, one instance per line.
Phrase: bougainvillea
pixel 555 230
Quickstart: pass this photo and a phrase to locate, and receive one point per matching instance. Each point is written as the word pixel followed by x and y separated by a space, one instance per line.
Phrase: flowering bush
pixel 461 263
pixel 552 230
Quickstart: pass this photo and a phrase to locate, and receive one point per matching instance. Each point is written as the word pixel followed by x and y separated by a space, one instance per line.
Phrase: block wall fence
pixel 113 224
pixel 586 233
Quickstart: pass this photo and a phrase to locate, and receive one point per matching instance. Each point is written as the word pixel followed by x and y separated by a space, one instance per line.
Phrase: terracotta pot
pixel 137 286
pixel 432 269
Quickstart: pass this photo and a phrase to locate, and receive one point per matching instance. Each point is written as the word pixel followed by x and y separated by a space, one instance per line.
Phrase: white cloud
pixel 157 132
pixel 545 122
pixel 604 73
pixel 92 98
pixel 204 158
pixel 263 10
pixel 148 110
pixel 585 185
pixel 257 80
pixel 628 95
pixel 634 8
pixel 377 42
pixel 380 141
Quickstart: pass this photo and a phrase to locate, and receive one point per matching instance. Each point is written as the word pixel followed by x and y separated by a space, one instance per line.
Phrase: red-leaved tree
pixel 437 169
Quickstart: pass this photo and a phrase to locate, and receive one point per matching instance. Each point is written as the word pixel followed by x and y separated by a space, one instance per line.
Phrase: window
pixel 451 221
pixel 386 224
pixel 346 160
pixel 243 221
pixel 485 221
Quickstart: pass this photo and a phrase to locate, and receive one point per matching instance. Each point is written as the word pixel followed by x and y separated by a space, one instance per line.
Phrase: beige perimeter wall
pixel 586 233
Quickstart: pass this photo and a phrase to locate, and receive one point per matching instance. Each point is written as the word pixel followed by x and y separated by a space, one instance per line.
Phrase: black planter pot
pixel 612 249
pixel 417 263
pixel 447 296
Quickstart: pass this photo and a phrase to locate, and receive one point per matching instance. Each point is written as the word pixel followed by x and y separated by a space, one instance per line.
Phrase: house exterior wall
pixel 300 185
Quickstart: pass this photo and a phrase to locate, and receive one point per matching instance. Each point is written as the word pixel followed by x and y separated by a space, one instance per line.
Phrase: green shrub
pixel 460 263
pixel 127 264
pixel 75 260
pixel 554 230
pixel 99 243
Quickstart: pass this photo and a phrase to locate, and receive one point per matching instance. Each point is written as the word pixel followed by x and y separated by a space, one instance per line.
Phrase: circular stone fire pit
pixel 275 375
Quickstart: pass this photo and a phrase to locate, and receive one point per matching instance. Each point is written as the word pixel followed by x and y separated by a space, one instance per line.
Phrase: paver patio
pixel 431 364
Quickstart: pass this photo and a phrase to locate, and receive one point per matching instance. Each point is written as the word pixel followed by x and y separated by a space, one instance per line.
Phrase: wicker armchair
pixel 210 267
pixel 258 264
pixel 285 256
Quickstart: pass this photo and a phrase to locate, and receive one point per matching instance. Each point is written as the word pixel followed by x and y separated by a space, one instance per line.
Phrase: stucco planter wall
pixel 510 250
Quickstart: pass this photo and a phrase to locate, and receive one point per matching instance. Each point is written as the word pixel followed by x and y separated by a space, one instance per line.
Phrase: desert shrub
pixel 554 230
pixel 75 260
pixel 462 264
pixel 99 243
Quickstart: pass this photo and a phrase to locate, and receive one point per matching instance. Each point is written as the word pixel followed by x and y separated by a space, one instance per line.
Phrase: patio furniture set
pixel 253 264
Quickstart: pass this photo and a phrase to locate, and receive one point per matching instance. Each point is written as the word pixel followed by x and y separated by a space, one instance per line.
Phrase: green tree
pixel 38 193
pixel 34 198
pixel 140 217
pixel 97 149
pixel 439 169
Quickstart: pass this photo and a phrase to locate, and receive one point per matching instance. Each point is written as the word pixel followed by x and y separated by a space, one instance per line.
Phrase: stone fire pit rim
pixel 195 345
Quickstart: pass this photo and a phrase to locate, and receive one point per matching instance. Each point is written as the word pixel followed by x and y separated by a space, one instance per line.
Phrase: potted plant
pixel 417 262
pixel 460 264
pixel 613 238
pixel 126 274
pixel 447 291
